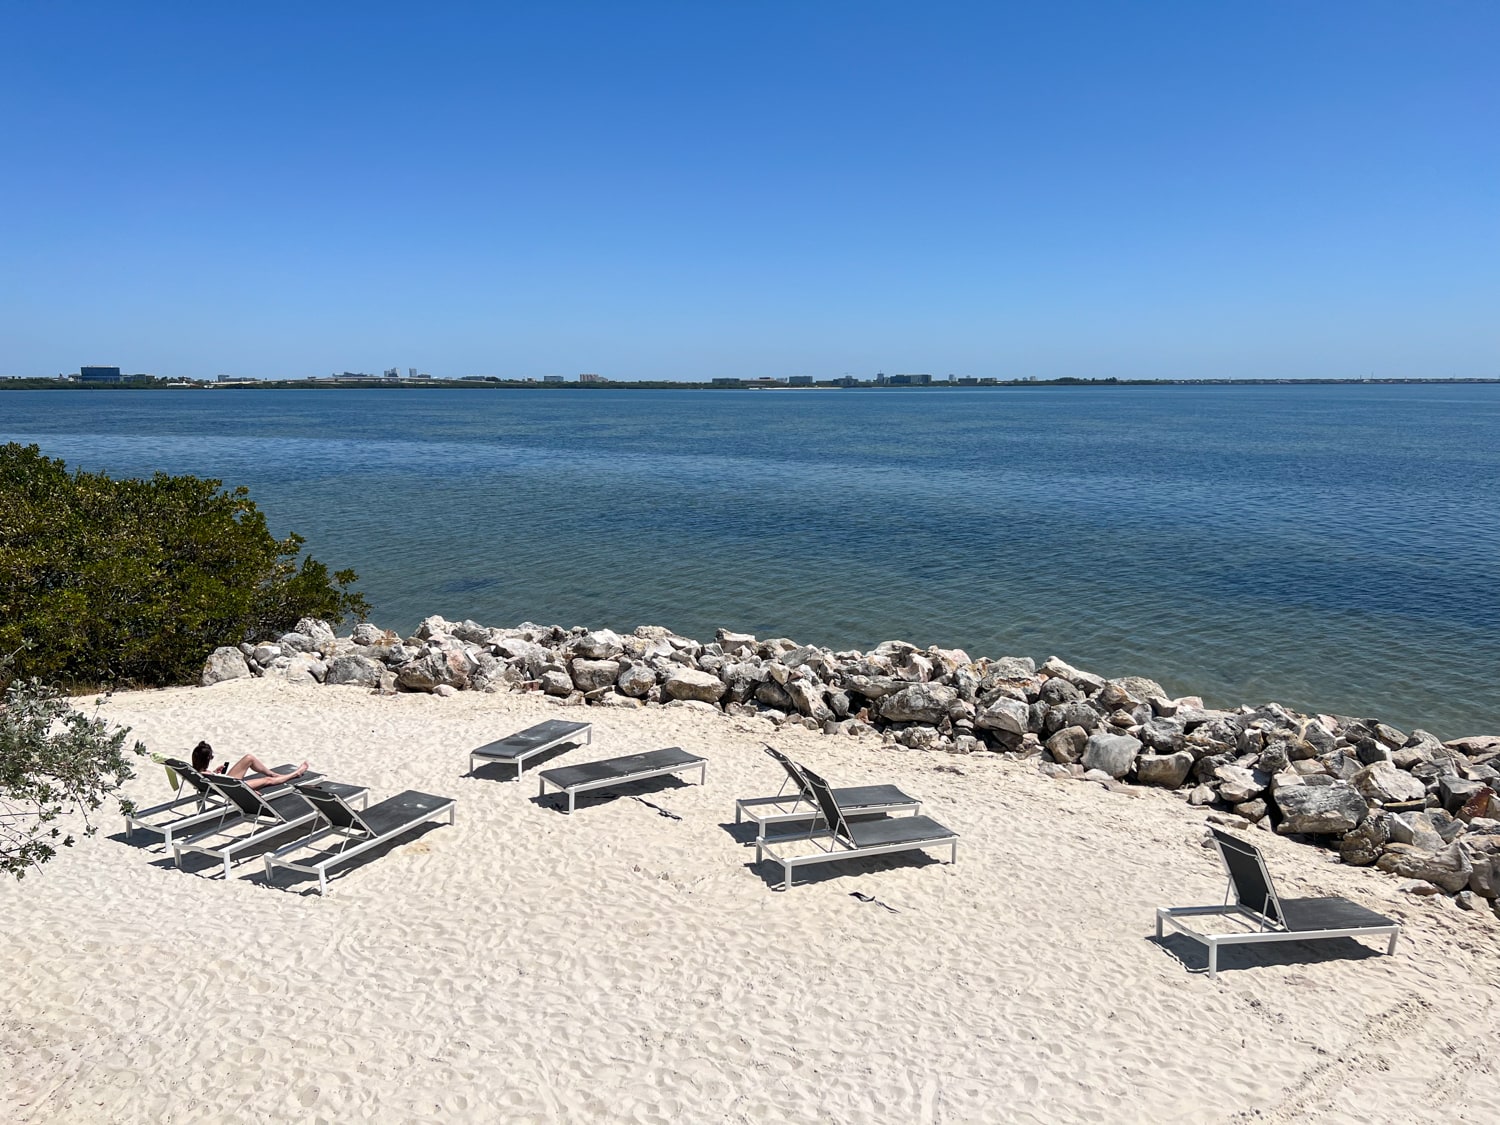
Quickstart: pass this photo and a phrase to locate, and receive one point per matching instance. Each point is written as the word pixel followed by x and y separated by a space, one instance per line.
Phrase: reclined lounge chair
pixel 1276 919
pixel 267 813
pixel 357 831
pixel 574 780
pixel 790 808
pixel 834 837
pixel 197 803
pixel 531 742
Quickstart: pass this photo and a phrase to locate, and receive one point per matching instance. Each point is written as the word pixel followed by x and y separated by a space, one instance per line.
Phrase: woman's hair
pixel 203 756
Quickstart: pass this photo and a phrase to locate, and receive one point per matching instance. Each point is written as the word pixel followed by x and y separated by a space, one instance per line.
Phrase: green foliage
pixel 138 580
pixel 53 759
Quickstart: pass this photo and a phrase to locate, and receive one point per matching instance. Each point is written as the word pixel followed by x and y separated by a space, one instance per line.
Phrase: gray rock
pixel 305 668
pixel 1066 746
pixel 1237 784
pixel 1163 736
pixel 920 703
pixel 809 699
pixel 873 687
pixel 594 675
pixel 557 683
pixel 1056 690
pixel 1086 681
pixel 1449 868
pixel 226 663
pixel 693 684
pixel 360 671
pixel 1008 716
pixel 1253 811
pixel 1166 770
pixel 319 631
pixel 1115 754
pixel 1362 846
pixel 1202 795
pixel 450 666
pixel 367 634
pixel 294 642
pixel 601 644
pixel 635 680
pixel 1457 792
pixel 1319 810
pixel 1382 781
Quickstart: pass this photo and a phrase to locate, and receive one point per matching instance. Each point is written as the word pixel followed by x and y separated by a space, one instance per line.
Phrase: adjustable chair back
pixel 187 775
pixel 334 809
pixel 1248 877
pixel 247 800
pixel 794 773
pixel 828 806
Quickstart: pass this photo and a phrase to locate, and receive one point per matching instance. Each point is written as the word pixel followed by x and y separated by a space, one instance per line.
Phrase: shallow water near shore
pixel 1334 548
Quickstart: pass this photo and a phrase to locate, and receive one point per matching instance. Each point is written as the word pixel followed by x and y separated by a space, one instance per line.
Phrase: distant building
pixel 764 381
pixel 968 381
pixel 392 373
pixel 880 379
pixel 592 379
pixel 847 381
pixel 726 383
pixel 411 372
pixel 100 375
pixel 800 381
pixel 897 380
pixel 553 379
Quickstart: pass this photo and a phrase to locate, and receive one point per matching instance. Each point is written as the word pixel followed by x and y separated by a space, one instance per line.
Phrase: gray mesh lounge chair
pixel 1252 897
pixel 356 831
pixel 792 807
pixel 197 803
pixel 835 837
pixel 265 816
pixel 531 742
pixel 574 780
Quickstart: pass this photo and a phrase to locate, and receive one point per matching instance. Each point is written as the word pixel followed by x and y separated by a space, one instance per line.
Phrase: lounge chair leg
pixel 1391 948
pixel 1213 960
pixel 1158 923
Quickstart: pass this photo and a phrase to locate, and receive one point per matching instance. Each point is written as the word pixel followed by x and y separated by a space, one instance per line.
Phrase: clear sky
pixel 727 187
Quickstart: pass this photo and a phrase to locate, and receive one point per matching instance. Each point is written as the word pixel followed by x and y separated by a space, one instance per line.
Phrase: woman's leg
pixel 246 764
pixel 275 778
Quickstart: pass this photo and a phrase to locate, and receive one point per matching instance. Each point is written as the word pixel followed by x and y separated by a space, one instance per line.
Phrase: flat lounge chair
pixel 531 742
pixel 193 792
pixel 840 838
pixel 790 807
pixel 269 816
pixel 574 780
pixel 357 831
pixel 1276 918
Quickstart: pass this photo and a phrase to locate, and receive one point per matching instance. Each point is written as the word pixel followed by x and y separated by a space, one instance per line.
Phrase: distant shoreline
pixel 25 384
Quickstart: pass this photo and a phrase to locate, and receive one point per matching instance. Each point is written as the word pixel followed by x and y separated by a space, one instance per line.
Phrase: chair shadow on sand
pixel 557 801
pixel 767 871
pixel 1193 955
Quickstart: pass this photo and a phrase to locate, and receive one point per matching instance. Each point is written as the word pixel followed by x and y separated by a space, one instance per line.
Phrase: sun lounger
pixel 531 742
pixel 791 807
pixel 833 836
pixel 1276 919
pixel 267 814
pixel 197 803
pixel 356 831
pixel 574 780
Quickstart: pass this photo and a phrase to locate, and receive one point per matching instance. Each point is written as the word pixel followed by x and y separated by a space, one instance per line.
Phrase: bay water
pixel 1332 547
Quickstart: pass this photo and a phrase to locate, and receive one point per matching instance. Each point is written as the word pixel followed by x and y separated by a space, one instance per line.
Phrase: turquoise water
pixel 1330 547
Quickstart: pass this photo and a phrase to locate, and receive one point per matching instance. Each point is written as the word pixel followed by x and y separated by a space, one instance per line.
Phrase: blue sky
pixel 689 190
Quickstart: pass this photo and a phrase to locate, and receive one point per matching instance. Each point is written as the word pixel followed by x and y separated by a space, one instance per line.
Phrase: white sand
pixel 618 965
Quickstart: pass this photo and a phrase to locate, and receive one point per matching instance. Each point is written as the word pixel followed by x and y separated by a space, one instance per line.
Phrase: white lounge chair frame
pixel 355 834
pixel 1244 864
pixel 566 732
pixel 211 805
pixel 687 762
pixel 789 807
pixel 256 809
pixel 836 839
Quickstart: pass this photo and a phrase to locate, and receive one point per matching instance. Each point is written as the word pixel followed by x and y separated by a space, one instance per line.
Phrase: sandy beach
pixel 622 965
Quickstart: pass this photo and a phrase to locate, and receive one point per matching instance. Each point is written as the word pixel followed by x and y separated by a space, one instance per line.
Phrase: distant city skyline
pixel 665 191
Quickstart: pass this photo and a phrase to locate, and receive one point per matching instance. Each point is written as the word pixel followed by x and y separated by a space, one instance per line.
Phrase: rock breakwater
pixel 1408 804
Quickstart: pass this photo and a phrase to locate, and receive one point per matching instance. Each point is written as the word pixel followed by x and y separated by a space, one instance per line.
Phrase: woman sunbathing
pixel 203 756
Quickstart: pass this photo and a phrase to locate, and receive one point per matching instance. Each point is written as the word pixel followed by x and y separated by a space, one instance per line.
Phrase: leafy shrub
pixel 53 758
pixel 138 580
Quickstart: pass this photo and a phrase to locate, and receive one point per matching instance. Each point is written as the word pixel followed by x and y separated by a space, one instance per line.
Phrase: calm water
pixel 1333 548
